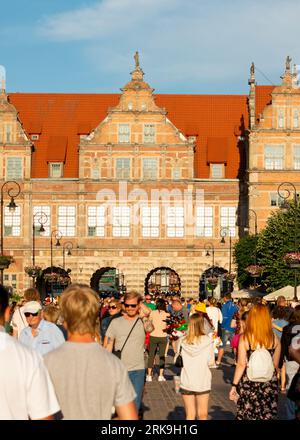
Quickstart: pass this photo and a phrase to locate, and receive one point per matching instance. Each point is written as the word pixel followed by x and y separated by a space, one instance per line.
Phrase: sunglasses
pixel 112 307
pixel 27 314
pixel 133 306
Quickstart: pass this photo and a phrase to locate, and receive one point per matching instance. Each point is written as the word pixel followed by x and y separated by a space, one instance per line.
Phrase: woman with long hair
pixel 195 378
pixel 256 400
pixel 158 339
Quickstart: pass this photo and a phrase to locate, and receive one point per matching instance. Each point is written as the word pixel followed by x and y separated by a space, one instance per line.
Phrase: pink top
pixel 158 317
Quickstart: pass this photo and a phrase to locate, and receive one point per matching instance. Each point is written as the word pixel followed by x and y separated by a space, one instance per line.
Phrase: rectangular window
pixel 12 222
pixel 280 118
pixel 297 157
pixel 96 221
pixel 150 168
pixel 176 173
pixel 204 221
pixel 124 133
pixel 150 221
pixel 216 170
pixel 123 168
pixel 67 220
pixel 228 219
pixel 295 118
pixel 274 157
pixel 275 199
pixel 121 221
pixel 149 133
pixel 42 216
pixel 8 133
pixel 14 168
pixel 56 169
pixel 175 221
pixel 95 173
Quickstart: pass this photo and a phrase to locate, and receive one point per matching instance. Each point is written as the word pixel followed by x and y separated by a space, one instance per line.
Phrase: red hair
pixel 259 327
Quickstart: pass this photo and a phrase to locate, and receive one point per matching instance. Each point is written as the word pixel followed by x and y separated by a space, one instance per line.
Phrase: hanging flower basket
pixel 5 261
pixel 254 270
pixel 56 278
pixel 33 271
pixel 292 259
pixel 212 280
pixel 229 276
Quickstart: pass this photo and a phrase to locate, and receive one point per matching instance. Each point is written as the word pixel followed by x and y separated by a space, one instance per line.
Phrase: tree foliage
pixel 280 236
pixel 245 254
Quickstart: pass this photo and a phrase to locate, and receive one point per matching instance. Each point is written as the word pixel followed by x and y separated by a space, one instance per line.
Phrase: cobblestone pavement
pixel 162 403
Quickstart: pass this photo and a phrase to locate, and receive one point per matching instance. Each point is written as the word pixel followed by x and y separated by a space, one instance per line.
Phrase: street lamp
pixel 224 232
pixel 284 191
pixel 42 220
pixel 210 247
pixel 13 189
pixel 58 236
pixel 68 245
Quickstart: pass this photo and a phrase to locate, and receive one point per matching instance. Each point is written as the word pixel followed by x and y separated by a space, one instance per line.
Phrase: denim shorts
pixel 226 336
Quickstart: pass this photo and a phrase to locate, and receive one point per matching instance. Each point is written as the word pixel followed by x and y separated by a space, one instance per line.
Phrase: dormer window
pixel 35 137
pixel 55 170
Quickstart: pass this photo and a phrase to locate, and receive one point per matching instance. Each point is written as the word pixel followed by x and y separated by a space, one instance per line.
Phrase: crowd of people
pixel 89 358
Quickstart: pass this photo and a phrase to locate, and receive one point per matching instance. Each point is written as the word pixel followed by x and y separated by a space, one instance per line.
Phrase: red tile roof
pixel 69 115
pixel 217 149
pixel 262 98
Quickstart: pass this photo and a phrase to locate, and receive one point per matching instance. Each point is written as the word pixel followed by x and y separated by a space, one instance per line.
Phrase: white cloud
pixel 182 41
pixel 102 19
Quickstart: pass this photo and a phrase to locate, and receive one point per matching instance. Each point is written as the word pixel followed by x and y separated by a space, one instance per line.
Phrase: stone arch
pixel 216 271
pixel 175 287
pixel 46 288
pixel 111 288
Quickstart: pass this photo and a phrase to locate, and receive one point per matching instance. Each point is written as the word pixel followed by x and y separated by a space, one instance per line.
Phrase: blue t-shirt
pixel 228 310
pixel 280 323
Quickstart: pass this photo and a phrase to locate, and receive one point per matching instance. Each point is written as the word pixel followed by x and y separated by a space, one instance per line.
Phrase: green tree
pixel 280 236
pixel 245 254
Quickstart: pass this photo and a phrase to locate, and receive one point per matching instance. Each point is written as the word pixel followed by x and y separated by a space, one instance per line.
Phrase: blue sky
pixel 186 46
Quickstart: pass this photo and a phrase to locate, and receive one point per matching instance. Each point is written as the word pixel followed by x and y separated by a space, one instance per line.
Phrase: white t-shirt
pixel 26 390
pixel 19 321
pixel 215 315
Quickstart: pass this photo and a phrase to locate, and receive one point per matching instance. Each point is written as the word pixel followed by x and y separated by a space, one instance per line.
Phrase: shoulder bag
pixel 118 353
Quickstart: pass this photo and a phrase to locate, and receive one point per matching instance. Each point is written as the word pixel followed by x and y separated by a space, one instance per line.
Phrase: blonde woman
pixel 195 378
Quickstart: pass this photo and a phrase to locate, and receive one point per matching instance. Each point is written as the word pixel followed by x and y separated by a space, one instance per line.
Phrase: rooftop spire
pixel 287 78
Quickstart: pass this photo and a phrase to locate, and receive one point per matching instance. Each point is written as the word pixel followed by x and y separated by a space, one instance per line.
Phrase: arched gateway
pixel 108 281
pixel 162 280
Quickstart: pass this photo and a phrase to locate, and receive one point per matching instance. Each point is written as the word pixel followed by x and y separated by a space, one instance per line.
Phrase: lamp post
pixel 210 247
pixel 224 232
pixel 13 189
pixel 68 245
pixel 58 236
pixel 284 191
pixel 42 220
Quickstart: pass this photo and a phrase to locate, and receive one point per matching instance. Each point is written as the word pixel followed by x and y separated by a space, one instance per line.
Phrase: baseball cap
pixel 32 307
pixel 200 307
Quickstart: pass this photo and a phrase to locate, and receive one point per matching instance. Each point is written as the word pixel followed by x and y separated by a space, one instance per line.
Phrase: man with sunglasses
pixel 132 347
pixel 26 391
pixel 40 335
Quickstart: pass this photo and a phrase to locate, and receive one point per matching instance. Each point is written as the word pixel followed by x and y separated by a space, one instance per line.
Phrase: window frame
pixel 208 225
pixel 125 133
pixel 51 166
pixel 66 228
pixel 122 169
pixel 273 158
pixel 14 176
pixel 150 221
pixel 154 169
pixel 175 223
pixel 100 220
